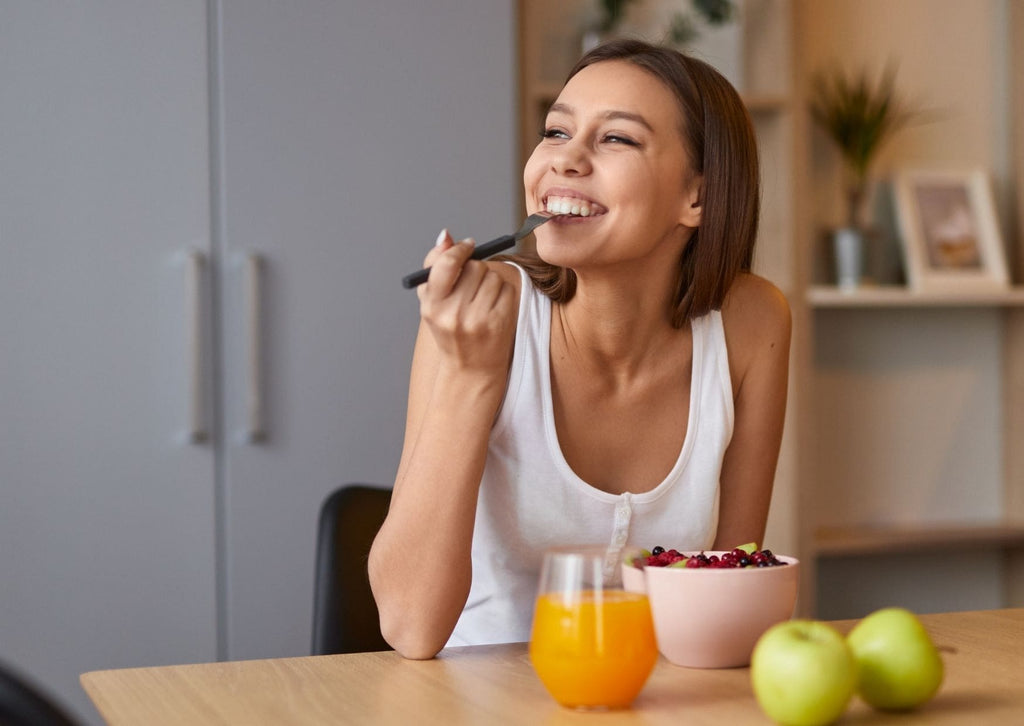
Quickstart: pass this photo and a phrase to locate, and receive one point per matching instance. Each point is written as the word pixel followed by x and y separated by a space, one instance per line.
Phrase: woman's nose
pixel 571 158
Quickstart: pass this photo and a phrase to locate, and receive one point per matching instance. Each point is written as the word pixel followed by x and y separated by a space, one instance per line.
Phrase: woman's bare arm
pixel 420 566
pixel 758 329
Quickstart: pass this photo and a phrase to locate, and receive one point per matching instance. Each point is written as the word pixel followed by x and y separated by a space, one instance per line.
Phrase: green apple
pixel 803 673
pixel 900 667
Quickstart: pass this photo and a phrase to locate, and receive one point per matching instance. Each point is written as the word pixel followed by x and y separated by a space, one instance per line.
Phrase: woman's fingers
pixel 447 264
pixel 489 291
pixel 444 242
pixel 462 295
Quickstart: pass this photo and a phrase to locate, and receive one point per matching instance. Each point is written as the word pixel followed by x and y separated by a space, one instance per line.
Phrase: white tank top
pixel 530 499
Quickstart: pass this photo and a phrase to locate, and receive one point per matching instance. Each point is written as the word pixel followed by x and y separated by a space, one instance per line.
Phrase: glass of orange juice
pixel 592 643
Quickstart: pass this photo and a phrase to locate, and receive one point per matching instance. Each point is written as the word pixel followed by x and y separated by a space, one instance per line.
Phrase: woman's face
pixel 612 156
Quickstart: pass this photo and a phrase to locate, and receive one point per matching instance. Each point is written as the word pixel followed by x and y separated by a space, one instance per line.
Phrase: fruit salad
pixel 747 555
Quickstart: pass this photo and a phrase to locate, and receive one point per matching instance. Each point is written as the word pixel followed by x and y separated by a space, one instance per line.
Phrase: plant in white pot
pixel 685 24
pixel 858 116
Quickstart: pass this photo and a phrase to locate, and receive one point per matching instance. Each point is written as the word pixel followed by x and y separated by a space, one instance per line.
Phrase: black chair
pixel 23 704
pixel 345 618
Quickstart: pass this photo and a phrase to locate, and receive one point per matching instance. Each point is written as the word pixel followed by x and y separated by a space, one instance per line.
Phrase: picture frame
pixel 950 231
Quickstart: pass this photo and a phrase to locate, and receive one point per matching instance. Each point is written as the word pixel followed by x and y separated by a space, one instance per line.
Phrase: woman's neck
pixel 615 325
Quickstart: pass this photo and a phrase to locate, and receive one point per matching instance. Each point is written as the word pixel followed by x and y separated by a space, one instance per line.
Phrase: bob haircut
pixel 720 142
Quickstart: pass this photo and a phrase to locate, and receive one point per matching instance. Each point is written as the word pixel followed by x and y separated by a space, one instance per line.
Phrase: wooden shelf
pixel 878 540
pixel 828 296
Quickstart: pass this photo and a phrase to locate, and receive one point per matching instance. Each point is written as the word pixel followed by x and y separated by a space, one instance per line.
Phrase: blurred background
pixel 205 211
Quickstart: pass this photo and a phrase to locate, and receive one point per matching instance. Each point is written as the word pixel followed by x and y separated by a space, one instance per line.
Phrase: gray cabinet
pixel 351 133
pixel 107 516
pixel 330 141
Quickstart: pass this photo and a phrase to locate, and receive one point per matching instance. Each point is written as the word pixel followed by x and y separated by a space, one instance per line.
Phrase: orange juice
pixel 595 651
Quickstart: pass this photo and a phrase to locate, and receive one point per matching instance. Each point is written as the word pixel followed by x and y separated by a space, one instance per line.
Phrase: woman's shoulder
pixel 757 322
pixel 755 306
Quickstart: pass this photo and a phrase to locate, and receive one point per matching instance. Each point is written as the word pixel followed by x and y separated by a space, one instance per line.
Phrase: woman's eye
pixel 552 133
pixel 617 139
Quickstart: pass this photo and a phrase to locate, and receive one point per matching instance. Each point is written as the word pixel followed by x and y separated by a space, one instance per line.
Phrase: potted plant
pixel 683 26
pixel 708 29
pixel 859 116
pixel 712 12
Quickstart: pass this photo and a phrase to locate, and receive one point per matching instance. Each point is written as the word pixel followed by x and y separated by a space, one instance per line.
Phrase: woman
pixel 626 385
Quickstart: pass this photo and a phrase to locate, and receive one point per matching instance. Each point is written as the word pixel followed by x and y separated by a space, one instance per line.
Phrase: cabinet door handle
pixel 195 267
pixel 256 430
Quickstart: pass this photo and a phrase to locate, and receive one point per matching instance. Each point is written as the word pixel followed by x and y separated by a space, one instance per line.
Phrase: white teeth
pixel 569 205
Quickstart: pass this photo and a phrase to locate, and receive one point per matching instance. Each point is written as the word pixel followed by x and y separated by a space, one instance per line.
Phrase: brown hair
pixel 721 144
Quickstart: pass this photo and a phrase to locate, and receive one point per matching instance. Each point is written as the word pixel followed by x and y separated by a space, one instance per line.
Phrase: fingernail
pixel 441 237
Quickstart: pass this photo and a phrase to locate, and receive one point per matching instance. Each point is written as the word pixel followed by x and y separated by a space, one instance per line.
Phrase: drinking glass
pixel 592 643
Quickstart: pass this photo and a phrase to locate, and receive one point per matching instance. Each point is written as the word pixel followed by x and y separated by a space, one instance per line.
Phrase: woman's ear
pixel 693 202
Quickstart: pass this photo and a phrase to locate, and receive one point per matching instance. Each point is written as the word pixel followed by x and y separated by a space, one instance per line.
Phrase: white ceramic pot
pixel 849 251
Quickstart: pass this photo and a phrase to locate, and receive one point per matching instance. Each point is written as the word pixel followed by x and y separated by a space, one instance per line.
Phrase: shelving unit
pixel 914 398
pixel 911 405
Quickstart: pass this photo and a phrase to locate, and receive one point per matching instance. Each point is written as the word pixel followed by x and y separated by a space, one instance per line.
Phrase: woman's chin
pixel 559 254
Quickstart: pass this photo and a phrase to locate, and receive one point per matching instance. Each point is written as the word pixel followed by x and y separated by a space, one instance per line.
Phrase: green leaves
pixel 857 114
pixel 716 12
pixel 683 29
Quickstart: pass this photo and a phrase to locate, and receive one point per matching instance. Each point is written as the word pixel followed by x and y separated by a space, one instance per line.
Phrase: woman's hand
pixel 469 309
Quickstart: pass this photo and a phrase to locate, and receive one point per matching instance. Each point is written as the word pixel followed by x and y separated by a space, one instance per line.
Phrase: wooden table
pixel 983 653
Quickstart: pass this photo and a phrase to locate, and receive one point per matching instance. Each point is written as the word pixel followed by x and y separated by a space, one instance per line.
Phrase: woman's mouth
pixel 573 206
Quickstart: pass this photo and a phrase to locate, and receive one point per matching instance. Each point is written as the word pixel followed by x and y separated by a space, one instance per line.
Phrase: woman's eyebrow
pixel 610 115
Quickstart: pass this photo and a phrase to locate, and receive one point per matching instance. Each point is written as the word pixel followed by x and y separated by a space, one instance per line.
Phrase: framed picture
pixel 951 239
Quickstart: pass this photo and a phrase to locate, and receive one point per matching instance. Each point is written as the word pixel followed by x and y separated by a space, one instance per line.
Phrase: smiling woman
pixel 716 134
pixel 613 140
pixel 626 384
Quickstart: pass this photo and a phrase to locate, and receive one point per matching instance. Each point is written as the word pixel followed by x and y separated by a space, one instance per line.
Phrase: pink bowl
pixel 708 618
